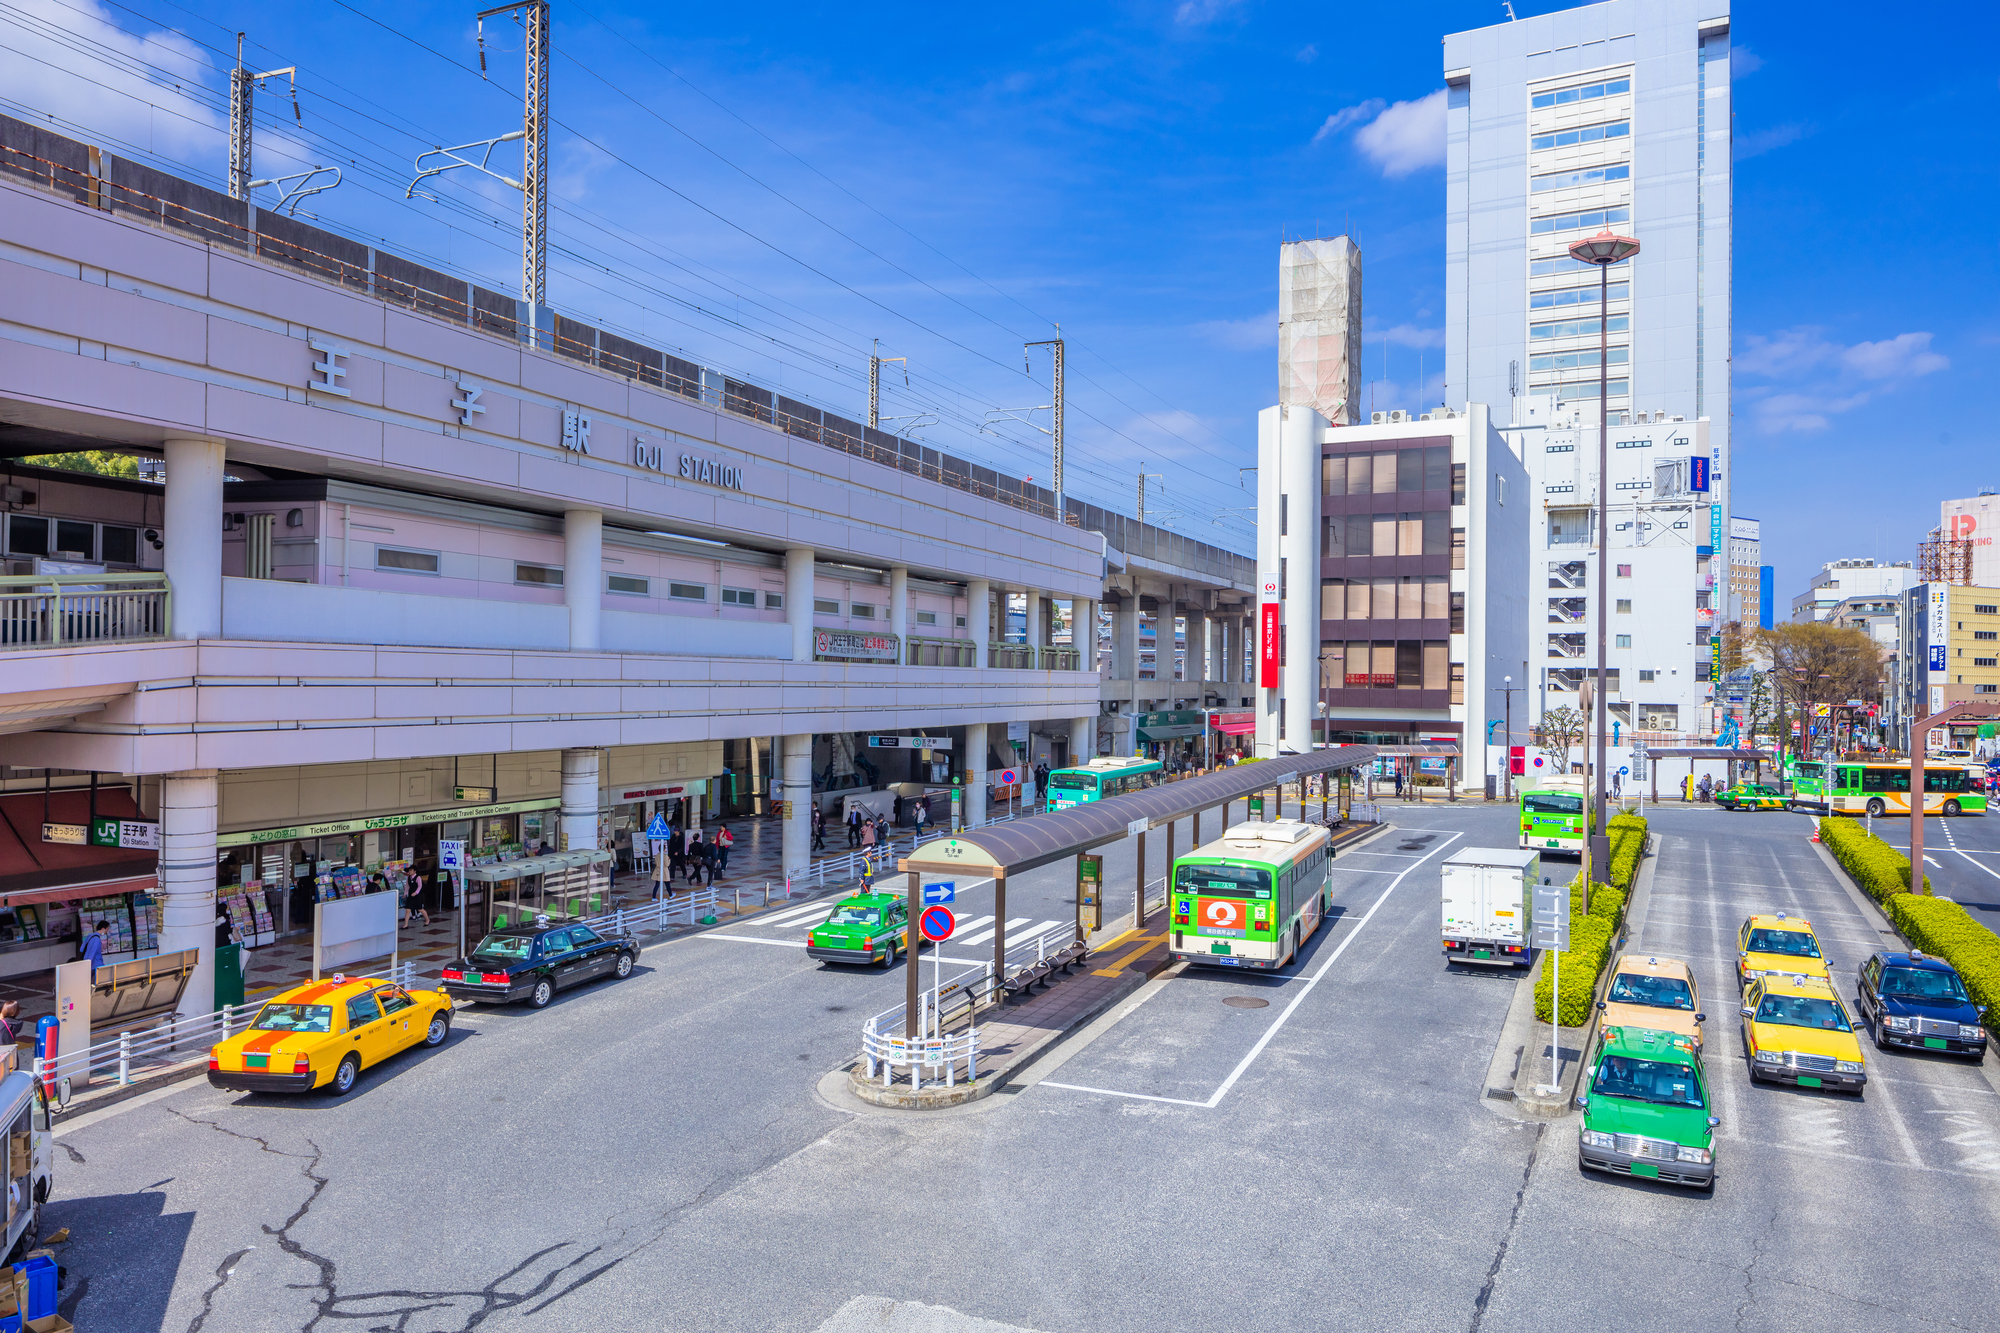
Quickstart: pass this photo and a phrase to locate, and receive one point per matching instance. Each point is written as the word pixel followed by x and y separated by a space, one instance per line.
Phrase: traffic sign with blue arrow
pixel 944 891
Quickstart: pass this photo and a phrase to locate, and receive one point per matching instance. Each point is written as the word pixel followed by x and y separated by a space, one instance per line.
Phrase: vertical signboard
pixel 1937 641
pixel 1267 646
pixel 1719 597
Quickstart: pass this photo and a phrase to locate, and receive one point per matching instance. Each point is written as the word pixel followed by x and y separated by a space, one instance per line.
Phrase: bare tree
pixel 1560 731
pixel 1814 663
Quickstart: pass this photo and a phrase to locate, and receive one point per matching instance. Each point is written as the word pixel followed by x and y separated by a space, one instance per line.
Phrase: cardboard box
pixel 51 1323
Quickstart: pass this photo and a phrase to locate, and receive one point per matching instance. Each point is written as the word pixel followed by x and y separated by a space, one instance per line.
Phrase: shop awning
pixel 35 871
pixel 1705 752
pixel 1174 725
pixel 1237 723
pixel 535 865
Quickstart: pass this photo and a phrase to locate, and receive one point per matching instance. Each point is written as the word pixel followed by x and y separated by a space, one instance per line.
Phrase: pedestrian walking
pixel 10 1019
pixel 93 946
pixel 818 829
pixel 1399 783
pixel 923 813
pixel 854 827
pixel 692 857
pixel 867 837
pixel 413 900
pixel 223 931
pixel 724 840
pixel 896 809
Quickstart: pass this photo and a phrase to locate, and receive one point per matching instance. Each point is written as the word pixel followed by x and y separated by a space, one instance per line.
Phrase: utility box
pixel 1489 906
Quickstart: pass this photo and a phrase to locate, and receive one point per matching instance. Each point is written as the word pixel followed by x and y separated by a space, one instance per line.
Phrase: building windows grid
pixel 1616 129
pixel 1617 356
pixel 1579 328
pixel 1619 291
pixel 1588 92
pixel 1579 221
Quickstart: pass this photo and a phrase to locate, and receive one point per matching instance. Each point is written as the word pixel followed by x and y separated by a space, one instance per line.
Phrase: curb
pixel 1503 1093
pixel 115 1093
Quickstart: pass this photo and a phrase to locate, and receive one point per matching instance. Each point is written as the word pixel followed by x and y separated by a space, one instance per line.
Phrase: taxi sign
pixel 937 923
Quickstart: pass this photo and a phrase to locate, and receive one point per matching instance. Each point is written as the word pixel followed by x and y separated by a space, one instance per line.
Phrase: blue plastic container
pixel 40 1271
pixel 10 1323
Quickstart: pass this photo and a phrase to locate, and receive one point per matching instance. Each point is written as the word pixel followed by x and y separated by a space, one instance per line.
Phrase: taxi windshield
pixel 1792 943
pixel 1072 781
pixel 855 916
pixel 1659 992
pixel 1551 803
pixel 1803 1011
pixel 1921 983
pixel 294 1018
pixel 1648 1081
pixel 505 946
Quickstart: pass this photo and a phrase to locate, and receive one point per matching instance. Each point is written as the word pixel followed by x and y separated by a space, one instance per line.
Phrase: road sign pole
pixel 915 906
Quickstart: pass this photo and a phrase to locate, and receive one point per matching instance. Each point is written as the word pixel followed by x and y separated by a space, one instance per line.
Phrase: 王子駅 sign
pixel 109 831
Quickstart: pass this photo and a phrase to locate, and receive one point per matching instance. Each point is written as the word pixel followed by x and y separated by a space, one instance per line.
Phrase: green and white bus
pixel 1809 785
pixel 1552 816
pixel 1253 897
pixel 1861 787
pixel 1101 778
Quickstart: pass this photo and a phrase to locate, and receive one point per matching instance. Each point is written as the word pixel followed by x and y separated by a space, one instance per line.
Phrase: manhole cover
pixel 1247 1002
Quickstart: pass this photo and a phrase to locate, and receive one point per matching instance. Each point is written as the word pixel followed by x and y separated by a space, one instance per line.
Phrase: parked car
pixel 322 1034
pixel 1910 999
pixel 1646 1109
pixel 533 962
pixel 1652 992
pixel 866 928
pixel 1780 944
pixel 1795 1030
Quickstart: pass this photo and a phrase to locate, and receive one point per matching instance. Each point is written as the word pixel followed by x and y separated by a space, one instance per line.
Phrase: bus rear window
pixel 1072 781
pixel 1551 803
pixel 1223 881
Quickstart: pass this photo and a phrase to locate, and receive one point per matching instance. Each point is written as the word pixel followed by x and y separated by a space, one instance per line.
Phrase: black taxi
pixel 533 962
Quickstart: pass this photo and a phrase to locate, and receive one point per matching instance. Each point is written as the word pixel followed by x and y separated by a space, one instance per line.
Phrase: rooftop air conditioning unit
pixel 1399 415
pixel 1377 418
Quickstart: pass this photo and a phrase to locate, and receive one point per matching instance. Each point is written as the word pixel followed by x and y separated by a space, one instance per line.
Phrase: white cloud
pixel 1259 333
pixel 1763 141
pixel 1197 12
pixel 1307 54
pixel 114 95
pixel 1406 335
pixel 1349 115
pixel 1742 61
pixel 1407 137
pixel 1819 378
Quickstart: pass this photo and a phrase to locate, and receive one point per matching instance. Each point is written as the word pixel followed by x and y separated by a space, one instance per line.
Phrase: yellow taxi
pixel 1797 1031
pixel 1779 943
pixel 1653 993
pixel 322 1034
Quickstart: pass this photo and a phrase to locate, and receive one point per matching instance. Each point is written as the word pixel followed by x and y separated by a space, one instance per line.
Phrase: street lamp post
pixel 1508 689
pixel 1603 250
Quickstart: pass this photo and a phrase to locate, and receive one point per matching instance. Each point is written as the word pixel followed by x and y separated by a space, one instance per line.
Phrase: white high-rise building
pixel 1611 116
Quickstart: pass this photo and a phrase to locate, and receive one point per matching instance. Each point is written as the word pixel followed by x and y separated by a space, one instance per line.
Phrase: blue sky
pixel 769 192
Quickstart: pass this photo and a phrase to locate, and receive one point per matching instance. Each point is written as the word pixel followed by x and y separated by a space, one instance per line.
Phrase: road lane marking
pixel 1145 943
pixel 1014 925
pixel 1285 1016
pixel 749 939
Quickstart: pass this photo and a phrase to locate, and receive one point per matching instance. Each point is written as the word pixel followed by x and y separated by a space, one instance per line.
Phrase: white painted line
pixel 1014 925
pixel 791 917
pixel 1244 1064
pixel 748 939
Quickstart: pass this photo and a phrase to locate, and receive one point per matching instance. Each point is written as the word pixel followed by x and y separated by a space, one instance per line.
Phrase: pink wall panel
pixel 259 354
pixel 319 305
pixel 334 434
pixel 58 227
pixel 63 379
pixel 449 456
pixel 572 479
pixel 481 355
pixel 543 372
pixel 41 299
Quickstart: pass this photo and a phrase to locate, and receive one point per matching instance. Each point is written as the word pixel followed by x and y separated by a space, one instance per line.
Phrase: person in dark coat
pixel 854 827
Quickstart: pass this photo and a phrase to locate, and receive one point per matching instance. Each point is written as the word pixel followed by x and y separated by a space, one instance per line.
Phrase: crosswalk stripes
pixel 794 916
pixel 1014 932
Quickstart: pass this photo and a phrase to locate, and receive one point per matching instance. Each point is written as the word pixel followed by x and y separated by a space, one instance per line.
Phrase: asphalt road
pixel 657 1154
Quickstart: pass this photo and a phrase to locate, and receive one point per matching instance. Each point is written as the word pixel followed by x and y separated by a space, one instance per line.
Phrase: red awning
pixel 1234 724
pixel 35 871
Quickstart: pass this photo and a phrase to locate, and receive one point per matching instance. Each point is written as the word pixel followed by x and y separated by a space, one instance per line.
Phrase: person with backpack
pixel 695 851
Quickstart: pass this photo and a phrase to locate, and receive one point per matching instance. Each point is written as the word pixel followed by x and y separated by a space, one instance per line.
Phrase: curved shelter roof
pixel 1000 850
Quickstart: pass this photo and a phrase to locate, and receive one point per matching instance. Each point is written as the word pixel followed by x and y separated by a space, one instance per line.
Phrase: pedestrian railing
pixel 49 610
pixel 1061 659
pixel 940 652
pixel 1011 656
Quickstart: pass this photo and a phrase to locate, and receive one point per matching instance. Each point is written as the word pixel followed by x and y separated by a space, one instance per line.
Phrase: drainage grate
pixel 1246 1002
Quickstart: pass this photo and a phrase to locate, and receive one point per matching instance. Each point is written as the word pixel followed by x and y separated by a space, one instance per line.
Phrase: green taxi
pixel 1750 796
pixel 1646 1109
pixel 866 928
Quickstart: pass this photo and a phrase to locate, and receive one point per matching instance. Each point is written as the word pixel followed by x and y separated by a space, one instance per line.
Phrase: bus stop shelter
pixel 1695 753
pixel 1018 846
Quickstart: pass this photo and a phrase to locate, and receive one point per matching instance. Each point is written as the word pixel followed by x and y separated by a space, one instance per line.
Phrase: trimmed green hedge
pixel 1591 938
pixel 1877 867
pixel 1935 925
pixel 1628 844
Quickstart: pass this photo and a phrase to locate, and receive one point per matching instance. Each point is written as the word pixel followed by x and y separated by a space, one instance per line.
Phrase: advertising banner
pixel 1267 646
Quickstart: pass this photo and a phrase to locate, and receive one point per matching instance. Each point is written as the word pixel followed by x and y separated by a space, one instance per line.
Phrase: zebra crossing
pixel 971 932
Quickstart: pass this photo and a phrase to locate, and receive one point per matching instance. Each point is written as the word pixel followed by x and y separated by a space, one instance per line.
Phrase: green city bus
pixel 1884 789
pixel 1101 778
pixel 1253 897
pixel 1552 816
pixel 1809 785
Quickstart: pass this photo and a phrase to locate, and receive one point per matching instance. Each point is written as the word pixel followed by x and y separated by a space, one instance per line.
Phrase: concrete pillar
pixel 187 875
pixel 975 774
pixel 795 783
pixel 1222 642
pixel 899 608
pixel 799 609
pixel 193 531
pixel 979 618
pixel 1037 637
pixel 579 799
pixel 1125 639
pixel 1083 631
pixel 583 576
pixel 1197 652
pixel 1082 739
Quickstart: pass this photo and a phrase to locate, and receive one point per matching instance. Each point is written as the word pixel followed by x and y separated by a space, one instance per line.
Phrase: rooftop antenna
pixel 1508 5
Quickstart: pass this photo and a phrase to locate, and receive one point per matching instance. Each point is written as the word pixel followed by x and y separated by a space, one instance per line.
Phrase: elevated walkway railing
pixel 53 610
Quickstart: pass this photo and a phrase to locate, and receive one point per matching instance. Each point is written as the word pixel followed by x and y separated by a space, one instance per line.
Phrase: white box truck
pixel 1489 896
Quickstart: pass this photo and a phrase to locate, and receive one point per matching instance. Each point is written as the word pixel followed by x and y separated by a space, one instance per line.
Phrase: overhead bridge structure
pixel 1023 845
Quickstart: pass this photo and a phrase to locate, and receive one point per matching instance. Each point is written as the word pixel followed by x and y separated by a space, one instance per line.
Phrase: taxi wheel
pixel 624 968
pixel 544 991
pixel 439 1029
pixel 888 957
pixel 343 1077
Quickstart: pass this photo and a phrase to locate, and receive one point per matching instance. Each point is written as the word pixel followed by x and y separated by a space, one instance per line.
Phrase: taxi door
pixel 595 955
pixel 897 922
pixel 403 1024
pixel 367 1029
pixel 560 957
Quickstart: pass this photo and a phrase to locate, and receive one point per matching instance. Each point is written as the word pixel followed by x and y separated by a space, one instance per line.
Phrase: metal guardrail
pixel 50 610
pixel 1011 656
pixel 940 652
pixel 1062 659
